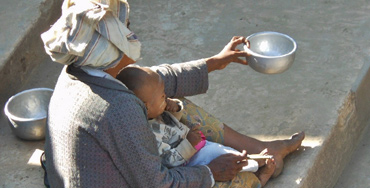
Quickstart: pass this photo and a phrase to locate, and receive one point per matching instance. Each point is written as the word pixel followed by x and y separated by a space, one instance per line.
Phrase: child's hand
pixel 172 105
pixel 194 136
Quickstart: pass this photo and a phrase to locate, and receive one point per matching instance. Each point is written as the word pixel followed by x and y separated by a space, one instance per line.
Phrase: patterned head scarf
pixel 92 33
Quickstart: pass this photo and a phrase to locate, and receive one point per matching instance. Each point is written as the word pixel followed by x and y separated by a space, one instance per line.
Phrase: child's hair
pixel 136 78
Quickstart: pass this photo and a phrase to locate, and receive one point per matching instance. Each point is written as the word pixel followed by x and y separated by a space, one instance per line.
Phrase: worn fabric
pixel 242 180
pixel 173 147
pixel 98 134
pixel 211 127
pixel 92 33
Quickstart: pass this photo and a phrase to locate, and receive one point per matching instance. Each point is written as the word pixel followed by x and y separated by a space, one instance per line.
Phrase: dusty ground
pixel 324 92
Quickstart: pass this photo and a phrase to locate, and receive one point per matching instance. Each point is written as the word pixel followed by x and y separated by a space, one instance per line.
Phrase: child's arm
pixel 194 136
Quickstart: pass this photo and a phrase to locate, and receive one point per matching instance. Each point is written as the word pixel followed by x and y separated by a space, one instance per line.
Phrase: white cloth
pixel 92 33
pixel 101 74
pixel 212 150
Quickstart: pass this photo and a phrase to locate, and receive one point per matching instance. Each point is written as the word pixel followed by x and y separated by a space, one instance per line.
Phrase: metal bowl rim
pixel 273 57
pixel 16 118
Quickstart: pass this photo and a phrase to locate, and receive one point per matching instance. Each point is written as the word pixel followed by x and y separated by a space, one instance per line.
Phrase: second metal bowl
pixel 27 112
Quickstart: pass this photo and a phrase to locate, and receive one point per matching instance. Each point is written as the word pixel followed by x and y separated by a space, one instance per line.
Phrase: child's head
pixel 148 86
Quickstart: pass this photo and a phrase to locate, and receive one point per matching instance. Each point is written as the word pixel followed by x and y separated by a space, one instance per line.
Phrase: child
pixel 177 143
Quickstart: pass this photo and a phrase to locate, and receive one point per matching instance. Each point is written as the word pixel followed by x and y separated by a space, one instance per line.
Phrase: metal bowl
pixel 27 112
pixel 271 52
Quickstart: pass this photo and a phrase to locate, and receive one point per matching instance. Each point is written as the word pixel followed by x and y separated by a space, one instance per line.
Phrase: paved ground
pixel 324 93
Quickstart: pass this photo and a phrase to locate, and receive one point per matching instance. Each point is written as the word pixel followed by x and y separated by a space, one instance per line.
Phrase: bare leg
pixel 279 148
pixel 265 173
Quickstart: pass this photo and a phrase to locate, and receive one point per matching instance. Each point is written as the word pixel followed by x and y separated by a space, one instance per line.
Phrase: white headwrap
pixel 92 33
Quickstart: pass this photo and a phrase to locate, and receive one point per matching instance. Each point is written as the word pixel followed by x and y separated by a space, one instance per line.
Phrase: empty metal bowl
pixel 27 112
pixel 271 52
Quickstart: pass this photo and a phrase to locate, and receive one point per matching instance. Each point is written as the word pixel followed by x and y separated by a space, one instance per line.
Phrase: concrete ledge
pixel 26 52
pixel 344 137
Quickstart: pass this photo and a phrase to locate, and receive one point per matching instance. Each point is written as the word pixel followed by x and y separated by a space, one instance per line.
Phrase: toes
pixel 295 142
pixel 298 136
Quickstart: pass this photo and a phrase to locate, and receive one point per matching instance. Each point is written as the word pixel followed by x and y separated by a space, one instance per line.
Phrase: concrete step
pixel 21 48
pixel 325 93
pixel 356 173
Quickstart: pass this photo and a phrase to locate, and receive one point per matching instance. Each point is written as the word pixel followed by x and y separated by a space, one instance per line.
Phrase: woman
pixel 97 133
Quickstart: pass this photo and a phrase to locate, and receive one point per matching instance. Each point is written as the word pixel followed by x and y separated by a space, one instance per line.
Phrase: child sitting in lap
pixel 177 143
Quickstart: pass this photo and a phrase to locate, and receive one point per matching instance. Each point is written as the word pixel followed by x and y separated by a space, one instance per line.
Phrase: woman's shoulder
pixel 125 105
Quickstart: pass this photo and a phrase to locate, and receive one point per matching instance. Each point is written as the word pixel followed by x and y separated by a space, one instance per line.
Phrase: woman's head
pixel 92 33
pixel 148 86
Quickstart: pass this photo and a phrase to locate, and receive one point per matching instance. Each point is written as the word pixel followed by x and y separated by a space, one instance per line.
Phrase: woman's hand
pixel 229 54
pixel 225 167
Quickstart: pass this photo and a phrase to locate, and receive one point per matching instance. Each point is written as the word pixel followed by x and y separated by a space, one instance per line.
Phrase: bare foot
pixel 266 171
pixel 281 148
